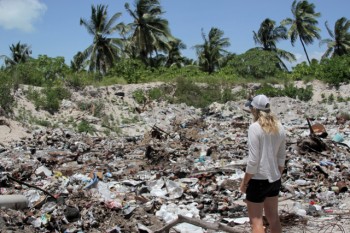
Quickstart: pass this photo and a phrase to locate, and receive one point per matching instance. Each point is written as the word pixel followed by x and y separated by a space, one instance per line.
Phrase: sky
pixel 51 27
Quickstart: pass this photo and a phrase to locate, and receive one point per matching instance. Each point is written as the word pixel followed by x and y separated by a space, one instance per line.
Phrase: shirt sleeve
pixel 253 148
pixel 281 155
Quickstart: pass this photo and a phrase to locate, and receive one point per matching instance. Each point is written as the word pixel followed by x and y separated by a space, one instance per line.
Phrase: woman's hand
pixel 243 187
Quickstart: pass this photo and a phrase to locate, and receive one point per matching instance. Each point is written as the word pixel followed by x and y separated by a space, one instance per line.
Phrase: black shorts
pixel 258 190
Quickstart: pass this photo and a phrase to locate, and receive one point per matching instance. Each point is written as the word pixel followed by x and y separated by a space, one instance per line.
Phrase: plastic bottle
pixel 16 202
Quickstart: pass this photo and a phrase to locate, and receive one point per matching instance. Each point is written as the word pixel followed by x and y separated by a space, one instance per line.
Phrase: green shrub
pixel 7 101
pixel 201 95
pixel 51 68
pixel 93 107
pixel 270 91
pixel 335 70
pixel 257 64
pixel 155 93
pixel 139 96
pixel 131 70
pixel 38 72
pixel 289 90
pixel 36 97
pixel 78 81
pixel 303 71
pixel 128 120
pixel 190 93
pixel 42 122
pixel 305 94
pixel 53 95
pixel 227 95
pixel 341 99
pixel 26 73
pixel 49 98
pixel 85 127
pixel 173 73
pixel 331 98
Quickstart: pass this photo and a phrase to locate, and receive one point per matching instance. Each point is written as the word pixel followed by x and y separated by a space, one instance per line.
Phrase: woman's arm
pixel 245 181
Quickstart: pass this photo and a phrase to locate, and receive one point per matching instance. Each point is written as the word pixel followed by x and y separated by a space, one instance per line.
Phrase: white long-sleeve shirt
pixel 266 153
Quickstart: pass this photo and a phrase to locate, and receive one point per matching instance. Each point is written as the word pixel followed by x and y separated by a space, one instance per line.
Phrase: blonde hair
pixel 267 120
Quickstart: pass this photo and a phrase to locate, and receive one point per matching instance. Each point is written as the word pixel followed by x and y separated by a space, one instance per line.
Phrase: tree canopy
pixel 303 25
pixel 212 52
pixel 339 43
pixel 104 50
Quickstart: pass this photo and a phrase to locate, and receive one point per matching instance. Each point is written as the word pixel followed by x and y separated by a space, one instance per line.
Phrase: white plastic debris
pixel 302 182
pixel 170 212
pixel 239 221
pixel 42 170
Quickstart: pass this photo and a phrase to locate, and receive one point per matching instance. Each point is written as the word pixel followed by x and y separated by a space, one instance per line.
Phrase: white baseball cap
pixel 260 102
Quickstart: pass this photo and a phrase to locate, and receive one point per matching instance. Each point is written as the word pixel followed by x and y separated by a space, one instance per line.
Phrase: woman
pixel 267 153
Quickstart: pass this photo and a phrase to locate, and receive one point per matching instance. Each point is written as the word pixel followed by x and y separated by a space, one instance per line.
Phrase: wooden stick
pixel 200 223
pixel 32 186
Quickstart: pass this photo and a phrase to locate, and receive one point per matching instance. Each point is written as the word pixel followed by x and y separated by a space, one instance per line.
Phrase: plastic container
pixel 16 202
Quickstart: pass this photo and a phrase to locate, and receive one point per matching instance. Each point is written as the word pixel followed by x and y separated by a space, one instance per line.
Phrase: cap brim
pixel 248 103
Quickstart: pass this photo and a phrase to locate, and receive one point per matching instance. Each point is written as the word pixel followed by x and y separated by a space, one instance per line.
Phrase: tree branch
pixel 197 222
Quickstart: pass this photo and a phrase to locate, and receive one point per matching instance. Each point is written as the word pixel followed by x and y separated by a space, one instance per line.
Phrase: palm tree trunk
pixel 307 56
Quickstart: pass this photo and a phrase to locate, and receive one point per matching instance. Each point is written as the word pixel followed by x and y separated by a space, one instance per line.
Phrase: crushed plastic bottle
pixel 302 182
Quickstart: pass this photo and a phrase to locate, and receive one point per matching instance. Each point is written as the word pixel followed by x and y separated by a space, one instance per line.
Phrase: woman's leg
pixel 255 211
pixel 271 213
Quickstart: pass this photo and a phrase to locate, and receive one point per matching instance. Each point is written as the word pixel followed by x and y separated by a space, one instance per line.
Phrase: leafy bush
pixel 190 93
pixel 36 97
pixel 51 68
pixel 172 73
pixel 26 73
pixel 289 90
pixel 42 122
pixel 132 70
pixel 335 70
pixel 7 101
pixel 139 96
pixel 303 71
pixel 79 80
pixel 54 95
pixel 255 63
pixel 39 71
pixel 85 127
pixel 201 95
pixel 155 93
pixel 49 98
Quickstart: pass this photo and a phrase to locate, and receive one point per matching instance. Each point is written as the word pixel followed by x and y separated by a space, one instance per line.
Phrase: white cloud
pixel 302 57
pixel 316 55
pixel 20 14
pixel 299 57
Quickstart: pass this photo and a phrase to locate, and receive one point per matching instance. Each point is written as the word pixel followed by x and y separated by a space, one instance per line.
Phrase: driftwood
pixel 32 186
pixel 197 222
pixel 230 168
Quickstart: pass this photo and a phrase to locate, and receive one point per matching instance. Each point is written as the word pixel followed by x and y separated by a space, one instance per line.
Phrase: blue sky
pixel 52 27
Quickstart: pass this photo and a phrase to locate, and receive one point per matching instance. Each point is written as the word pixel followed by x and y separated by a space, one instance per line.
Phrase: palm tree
pixel 20 53
pixel 339 44
pixel 151 33
pixel 104 51
pixel 268 35
pixel 174 56
pixel 211 54
pixel 128 49
pixel 303 25
pixel 78 63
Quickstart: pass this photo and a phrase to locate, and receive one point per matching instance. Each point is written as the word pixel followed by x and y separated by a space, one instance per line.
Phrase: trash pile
pixel 181 175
